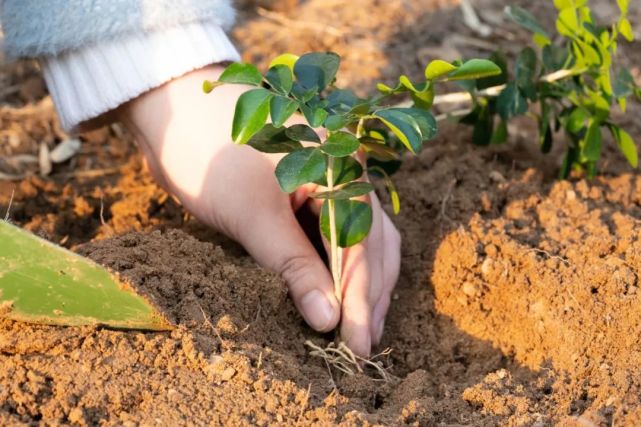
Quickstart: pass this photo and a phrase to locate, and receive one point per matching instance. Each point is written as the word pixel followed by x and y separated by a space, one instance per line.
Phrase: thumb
pixel 275 239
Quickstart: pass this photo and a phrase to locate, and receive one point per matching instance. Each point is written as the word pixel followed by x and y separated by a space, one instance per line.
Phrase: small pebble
pixel 228 374
pixel 469 289
pixel 65 150
pixel 497 177
pixel 486 267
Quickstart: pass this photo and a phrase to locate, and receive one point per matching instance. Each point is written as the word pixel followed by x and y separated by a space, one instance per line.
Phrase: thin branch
pixel 461 97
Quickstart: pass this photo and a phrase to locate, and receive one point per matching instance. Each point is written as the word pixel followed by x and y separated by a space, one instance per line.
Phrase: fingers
pixel 391 258
pixel 275 239
pixel 363 281
pixel 356 309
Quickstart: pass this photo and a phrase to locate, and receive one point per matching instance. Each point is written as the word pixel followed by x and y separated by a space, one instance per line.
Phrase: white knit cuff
pixel 88 82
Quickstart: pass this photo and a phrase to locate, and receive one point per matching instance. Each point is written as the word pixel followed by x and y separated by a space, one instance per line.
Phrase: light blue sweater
pixel 35 28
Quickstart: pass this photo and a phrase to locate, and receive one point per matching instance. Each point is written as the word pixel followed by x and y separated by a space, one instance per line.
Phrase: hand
pixel 185 136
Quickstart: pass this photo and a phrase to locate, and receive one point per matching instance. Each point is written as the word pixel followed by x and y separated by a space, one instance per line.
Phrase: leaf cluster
pixel 306 85
pixel 573 80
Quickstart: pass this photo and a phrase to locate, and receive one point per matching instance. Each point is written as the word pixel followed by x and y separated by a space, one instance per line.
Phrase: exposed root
pixel 213 328
pixel 344 359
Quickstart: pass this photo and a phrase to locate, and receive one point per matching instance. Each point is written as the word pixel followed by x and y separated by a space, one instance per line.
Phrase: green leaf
pixel 350 190
pixel 526 20
pixel 425 120
pixel 438 68
pixel 303 94
pixel 317 69
pixel 353 221
pixel 403 126
pixel 623 6
pixel 302 133
pixel 282 109
pixel 623 84
pixel 346 169
pixel 483 128
pixel 314 116
pixel 300 167
pixel 208 85
pixel 626 29
pixel 541 41
pixel 555 57
pixel 240 73
pixel 424 99
pixel 626 145
pixel 564 4
pixel 384 89
pixel 567 23
pixel 378 150
pixel 598 105
pixel 475 69
pixel 526 68
pixel 340 144
pixel 44 283
pixel 273 140
pixel 511 102
pixel 287 59
pixel 361 109
pixel 334 123
pixel 341 101
pixel 500 60
pixel 545 129
pixel 391 188
pixel 576 120
pixel 342 97
pixel 593 141
pixel 252 110
pixel 571 156
pixel 500 135
pixel 280 79
pixel 405 82
pixel 589 54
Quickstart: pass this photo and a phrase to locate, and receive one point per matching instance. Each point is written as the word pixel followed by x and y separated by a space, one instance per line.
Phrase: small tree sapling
pixel 573 79
pixel 305 85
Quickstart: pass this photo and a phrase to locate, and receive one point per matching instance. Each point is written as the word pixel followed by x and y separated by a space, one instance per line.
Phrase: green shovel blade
pixel 44 283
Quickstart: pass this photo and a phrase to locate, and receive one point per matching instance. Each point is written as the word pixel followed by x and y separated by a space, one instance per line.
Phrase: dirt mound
pixel 554 282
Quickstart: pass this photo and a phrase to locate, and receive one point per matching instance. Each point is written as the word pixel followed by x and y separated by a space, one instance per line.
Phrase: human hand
pixel 185 138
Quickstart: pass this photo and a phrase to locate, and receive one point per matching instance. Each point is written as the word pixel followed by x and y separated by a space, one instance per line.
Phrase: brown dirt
pixel 517 303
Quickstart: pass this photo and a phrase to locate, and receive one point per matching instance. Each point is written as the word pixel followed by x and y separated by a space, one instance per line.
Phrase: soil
pixel 517 302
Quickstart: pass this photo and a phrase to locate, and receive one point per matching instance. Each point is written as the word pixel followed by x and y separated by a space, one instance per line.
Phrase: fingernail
pixel 317 310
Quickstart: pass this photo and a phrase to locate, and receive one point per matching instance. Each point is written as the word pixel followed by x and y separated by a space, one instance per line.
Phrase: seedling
pixel 306 85
pixel 573 80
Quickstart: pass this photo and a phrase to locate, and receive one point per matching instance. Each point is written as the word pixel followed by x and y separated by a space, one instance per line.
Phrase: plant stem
pixel 463 97
pixel 455 98
pixel 336 264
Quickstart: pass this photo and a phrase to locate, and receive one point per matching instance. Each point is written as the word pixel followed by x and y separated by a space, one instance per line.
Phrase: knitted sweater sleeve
pixel 36 28
pixel 98 54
